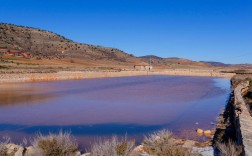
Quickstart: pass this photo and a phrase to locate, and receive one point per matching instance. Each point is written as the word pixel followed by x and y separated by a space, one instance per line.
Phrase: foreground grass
pixel 159 143
pixel 113 147
pixel 3 148
pixel 62 144
pixel 162 143
pixel 229 149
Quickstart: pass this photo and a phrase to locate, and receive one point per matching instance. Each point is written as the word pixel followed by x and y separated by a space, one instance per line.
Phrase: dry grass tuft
pixel 229 149
pixel 3 148
pixel 161 143
pixel 113 147
pixel 61 144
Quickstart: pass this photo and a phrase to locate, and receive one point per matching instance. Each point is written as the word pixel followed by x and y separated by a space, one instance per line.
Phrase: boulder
pixel 200 131
pixel 207 132
pixel 30 151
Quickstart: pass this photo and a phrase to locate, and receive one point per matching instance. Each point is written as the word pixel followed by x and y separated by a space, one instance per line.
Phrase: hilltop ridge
pixel 46 44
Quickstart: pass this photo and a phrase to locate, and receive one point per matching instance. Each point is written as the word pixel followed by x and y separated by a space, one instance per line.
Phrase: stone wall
pixel 243 120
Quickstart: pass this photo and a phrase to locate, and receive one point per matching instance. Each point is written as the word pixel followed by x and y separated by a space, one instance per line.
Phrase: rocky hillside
pixel 46 44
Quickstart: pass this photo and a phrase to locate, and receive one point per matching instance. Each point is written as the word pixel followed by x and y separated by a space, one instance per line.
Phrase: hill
pixel 54 49
pixel 48 45
pixel 172 62
pixel 218 64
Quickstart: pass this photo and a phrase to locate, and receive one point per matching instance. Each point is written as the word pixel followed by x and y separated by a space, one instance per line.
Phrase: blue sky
pixel 209 30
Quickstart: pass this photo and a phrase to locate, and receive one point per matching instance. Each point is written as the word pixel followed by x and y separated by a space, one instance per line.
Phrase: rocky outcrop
pixel 243 120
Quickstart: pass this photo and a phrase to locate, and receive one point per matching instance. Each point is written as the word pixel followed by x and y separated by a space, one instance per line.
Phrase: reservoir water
pixel 95 108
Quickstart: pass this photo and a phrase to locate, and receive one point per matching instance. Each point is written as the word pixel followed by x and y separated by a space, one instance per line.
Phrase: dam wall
pixel 71 75
pixel 243 119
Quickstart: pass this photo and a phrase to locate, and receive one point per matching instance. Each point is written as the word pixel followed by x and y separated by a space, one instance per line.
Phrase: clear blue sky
pixel 209 30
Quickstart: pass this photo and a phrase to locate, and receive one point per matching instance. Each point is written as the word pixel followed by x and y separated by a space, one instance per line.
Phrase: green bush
pixel 61 144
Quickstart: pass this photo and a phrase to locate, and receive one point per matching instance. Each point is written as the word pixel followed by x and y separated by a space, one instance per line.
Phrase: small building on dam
pixel 143 66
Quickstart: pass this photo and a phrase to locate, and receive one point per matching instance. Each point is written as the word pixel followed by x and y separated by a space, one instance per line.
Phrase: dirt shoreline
pixel 72 75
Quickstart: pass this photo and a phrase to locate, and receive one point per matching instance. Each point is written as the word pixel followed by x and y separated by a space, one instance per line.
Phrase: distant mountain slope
pixel 171 62
pixel 219 64
pixel 50 45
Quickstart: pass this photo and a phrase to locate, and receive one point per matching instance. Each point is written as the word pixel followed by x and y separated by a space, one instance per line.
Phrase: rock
pixel 206 151
pixel 213 131
pixel 157 138
pixel 19 152
pixel 86 154
pixel 200 131
pixel 145 154
pixel 30 151
pixel 189 144
pixel 207 132
pixel 139 149
pixel 78 153
pixel 15 150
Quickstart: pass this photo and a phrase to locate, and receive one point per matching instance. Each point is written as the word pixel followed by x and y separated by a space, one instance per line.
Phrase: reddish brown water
pixel 103 107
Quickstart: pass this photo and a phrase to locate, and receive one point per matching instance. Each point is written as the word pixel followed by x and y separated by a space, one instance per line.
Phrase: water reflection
pixel 10 97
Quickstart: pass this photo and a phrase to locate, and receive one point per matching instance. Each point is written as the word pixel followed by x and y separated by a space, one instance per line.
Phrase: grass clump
pixel 61 144
pixel 161 143
pixel 3 148
pixel 113 147
pixel 229 149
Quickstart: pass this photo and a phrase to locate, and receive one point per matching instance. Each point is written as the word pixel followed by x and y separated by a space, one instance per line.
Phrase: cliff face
pixel 50 45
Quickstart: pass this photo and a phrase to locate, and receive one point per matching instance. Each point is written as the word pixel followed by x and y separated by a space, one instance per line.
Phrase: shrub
pixel 229 149
pixel 3 148
pixel 113 147
pixel 61 144
pixel 161 143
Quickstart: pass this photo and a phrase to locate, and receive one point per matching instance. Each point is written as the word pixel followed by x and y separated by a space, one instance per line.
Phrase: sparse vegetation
pixel 229 149
pixel 62 144
pixel 113 147
pixel 3 148
pixel 161 143
pixel 241 78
